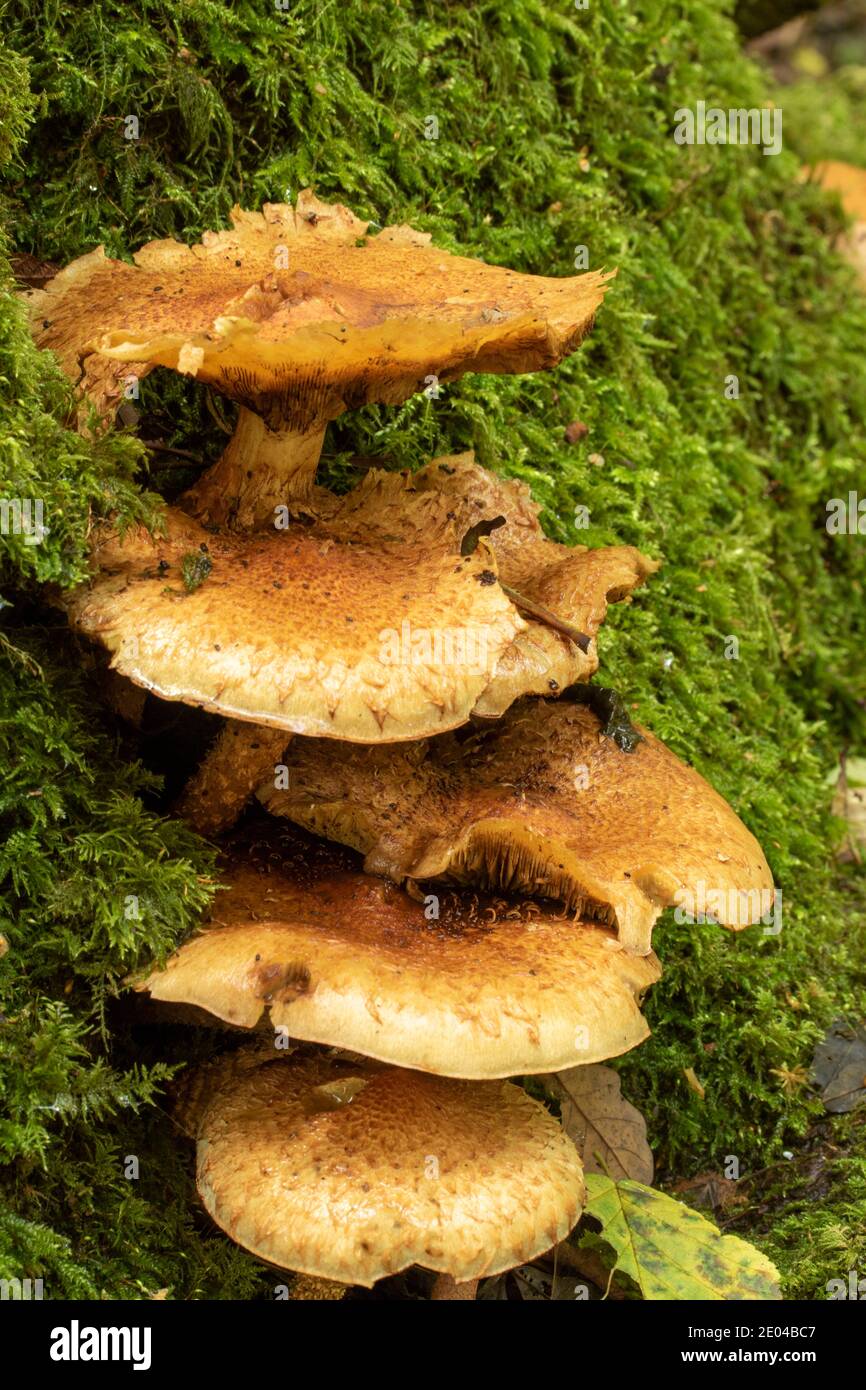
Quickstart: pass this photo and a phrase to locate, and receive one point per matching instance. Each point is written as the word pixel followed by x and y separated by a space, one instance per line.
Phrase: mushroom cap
pixel 365 625
pixel 353 1172
pixel 369 626
pixel 850 183
pixel 541 803
pixel 301 313
pixel 574 582
pixel 846 180
pixel 488 988
pixel 475 494
pixel 68 316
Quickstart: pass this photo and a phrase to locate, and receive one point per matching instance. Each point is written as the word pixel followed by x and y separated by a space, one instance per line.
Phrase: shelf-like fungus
pixel 347 629
pixel 542 802
pixel 386 619
pixel 462 984
pixel 370 626
pixel 298 314
pixel 352 1171
pixel 555 587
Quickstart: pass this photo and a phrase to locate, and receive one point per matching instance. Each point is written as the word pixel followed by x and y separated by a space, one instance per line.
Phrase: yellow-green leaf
pixel 670 1251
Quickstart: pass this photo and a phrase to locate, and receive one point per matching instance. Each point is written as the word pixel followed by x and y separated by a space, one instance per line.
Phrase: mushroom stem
pixel 243 757
pixel 259 470
pixel 447 1288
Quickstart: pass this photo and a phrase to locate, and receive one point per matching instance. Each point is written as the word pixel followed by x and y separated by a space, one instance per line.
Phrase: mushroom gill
pixel 542 803
pixel 459 984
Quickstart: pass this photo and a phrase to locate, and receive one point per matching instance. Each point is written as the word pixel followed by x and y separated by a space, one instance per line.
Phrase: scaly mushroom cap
pixel 574 582
pixel 476 494
pixel 349 629
pixel 485 988
pixel 299 313
pixel 69 316
pixel 365 625
pixel 354 1172
pixel 542 803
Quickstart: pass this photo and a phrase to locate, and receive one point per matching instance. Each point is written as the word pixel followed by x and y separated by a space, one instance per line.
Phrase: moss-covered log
pixel 724 395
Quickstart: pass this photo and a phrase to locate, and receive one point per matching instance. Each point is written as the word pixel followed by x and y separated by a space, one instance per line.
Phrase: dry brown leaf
pixel 607 1130
pixel 839 1067
pixel 709 1190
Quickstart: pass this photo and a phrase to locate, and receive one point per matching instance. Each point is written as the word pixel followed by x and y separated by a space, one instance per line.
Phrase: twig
pixel 220 419
pixel 157 448
pixel 546 615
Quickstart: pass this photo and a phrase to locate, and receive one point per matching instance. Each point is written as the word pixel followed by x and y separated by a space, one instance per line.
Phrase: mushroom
pixel 542 803
pixel 67 315
pixel 299 314
pixel 850 183
pixel 461 985
pixel 304 631
pixel 574 583
pixel 242 756
pixel 350 1171
pixel 368 626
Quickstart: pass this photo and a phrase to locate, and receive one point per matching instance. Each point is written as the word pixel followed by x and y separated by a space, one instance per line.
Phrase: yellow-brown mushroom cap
pixel 67 316
pixel 300 313
pixel 355 1172
pixel 462 985
pixel 850 183
pixel 573 582
pixel 541 803
pixel 366 624
pixel 353 628
pixel 846 180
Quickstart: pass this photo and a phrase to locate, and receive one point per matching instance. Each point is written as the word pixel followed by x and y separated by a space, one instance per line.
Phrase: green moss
pixel 808 1213
pixel 725 269
pixel 824 116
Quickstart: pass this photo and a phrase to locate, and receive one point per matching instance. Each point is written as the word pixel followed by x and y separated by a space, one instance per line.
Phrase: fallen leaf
pixel 709 1190
pixel 492 1290
pixel 533 1283
pixel 673 1253
pixel 839 1067
pixel 608 1132
pixel 30 271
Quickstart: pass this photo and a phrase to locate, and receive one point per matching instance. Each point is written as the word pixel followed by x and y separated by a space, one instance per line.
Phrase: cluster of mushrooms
pixel 442 849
